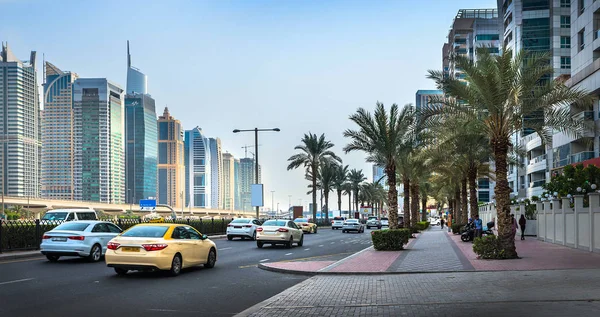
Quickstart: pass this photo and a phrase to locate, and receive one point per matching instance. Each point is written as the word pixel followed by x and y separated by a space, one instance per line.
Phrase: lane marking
pixel 299 259
pixel 263 260
pixel 306 249
pixel 332 242
pixel 289 253
pixel 21 260
pixel 321 246
pixel 247 266
pixel 225 249
pixel 17 281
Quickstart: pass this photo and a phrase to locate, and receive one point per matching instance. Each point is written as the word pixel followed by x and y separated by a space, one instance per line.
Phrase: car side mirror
pixel 204 237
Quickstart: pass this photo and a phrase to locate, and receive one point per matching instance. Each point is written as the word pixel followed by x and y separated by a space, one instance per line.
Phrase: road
pixel 73 287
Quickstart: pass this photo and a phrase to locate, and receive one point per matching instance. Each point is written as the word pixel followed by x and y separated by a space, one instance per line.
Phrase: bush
pixel 390 239
pixel 422 225
pixel 457 228
pixel 488 247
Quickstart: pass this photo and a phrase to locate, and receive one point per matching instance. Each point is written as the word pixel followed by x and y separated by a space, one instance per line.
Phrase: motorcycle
pixel 469 233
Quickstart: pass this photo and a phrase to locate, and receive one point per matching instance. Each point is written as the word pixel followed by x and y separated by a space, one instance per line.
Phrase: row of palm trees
pixel 326 173
pixel 466 133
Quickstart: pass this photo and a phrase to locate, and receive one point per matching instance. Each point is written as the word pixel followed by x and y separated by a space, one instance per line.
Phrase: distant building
pixel 20 148
pixel 57 134
pixel 198 169
pixel 247 178
pixel 228 182
pixel 423 98
pixel 237 200
pixel 99 147
pixel 171 161
pixel 379 175
pixel 216 168
pixel 141 151
pixel 137 82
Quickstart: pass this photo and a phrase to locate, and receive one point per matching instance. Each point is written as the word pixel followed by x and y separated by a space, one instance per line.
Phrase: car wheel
pixel 254 236
pixel 229 238
pixel 289 243
pixel 95 253
pixel 212 259
pixel 120 271
pixel 316 228
pixel 175 265
pixel 259 244
pixel 52 258
pixel 343 231
pixel 301 241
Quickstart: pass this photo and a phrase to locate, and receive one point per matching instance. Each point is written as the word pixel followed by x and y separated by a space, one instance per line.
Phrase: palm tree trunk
pixel 457 211
pixel 472 174
pixel 314 193
pixel 356 201
pixel 406 183
pixel 424 204
pixel 414 204
pixel 464 204
pixel 339 194
pixel 326 207
pixel 390 171
pixel 350 205
pixel 502 193
pixel 321 205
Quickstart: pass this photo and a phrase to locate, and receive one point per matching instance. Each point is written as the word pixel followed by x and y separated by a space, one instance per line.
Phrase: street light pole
pixel 290 206
pixel 256 130
pixel 272 200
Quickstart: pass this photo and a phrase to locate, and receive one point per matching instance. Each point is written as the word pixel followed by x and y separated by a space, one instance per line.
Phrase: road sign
pixel 366 210
pixel 148 204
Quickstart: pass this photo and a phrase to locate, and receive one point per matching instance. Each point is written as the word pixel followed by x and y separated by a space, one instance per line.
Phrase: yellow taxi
pixel 306 226
pixel 160 246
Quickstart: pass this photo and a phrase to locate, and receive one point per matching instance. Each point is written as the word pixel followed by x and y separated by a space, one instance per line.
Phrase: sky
pixel 301 66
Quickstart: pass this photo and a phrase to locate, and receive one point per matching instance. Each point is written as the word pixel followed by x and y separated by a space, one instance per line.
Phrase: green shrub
pixel 488 247
pixel 390 239
pixel 422 225
pixel 457 228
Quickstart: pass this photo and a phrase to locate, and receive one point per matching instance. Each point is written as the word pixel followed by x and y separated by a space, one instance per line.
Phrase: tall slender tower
pixel 137 82
pixel 171 167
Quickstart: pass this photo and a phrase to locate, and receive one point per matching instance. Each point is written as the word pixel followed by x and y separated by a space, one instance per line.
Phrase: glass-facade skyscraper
pixel 99 147
pixel 57 134
pixel 228 181
pixel 171 168
pixel 247 178
pixel 20 148
pixel 237 200
pixel 197 169
pixel 216 168
pixel 137 82
pixel 141 151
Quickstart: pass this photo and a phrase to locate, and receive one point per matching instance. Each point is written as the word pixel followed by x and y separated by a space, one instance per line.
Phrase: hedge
pixel 27 234
pixel 390 239
pixel 488 247
pixel 457 228
pixel 422 225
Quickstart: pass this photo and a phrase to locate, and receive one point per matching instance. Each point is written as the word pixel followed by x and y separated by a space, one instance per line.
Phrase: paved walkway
pixel 523 293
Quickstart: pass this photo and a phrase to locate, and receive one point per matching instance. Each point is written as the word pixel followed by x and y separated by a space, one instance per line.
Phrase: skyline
pixel 320 60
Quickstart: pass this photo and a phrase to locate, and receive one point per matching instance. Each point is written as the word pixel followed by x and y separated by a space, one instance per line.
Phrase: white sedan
pixel 242 228
pixel 78 238
pixel 279 231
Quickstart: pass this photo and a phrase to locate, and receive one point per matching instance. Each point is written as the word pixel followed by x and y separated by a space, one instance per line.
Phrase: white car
pixel 242 228
pixel 385 222
pixel 279 231
pixel 78 238
pixel 353 225
pixel 337 223
pixel 434 221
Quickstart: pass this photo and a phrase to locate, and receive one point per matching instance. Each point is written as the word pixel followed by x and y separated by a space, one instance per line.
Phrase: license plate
pixel 238 227
pixel 59 239
pixel 126 249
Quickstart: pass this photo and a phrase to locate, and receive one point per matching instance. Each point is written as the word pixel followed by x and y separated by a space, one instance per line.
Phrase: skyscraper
pixel 237 200
pixel 141 151
pixel 57 134
pixel 137 82
pixel 171 167
pixel 216 167
pixel 197 169
pixel 228 181
pixel 247 178
pixel 99 145
pixel 20 147
pixel 423 98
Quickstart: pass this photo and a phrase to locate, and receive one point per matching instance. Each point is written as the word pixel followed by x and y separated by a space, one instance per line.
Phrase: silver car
pixel 78 238
pixel 373 222
pixel 353 225
pixel 337 223
pixel 385 222
pixel 242 228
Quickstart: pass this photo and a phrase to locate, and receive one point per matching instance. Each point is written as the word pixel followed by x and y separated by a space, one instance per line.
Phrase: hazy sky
pixel 297 65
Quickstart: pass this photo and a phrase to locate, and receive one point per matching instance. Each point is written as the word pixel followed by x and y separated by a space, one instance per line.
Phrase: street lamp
pixel 256 130
pixel 272 200
pixel 130 200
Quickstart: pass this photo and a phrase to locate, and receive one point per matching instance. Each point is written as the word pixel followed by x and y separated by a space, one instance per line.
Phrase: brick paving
pixel 521 293
pixel 535 255
pixel 432 252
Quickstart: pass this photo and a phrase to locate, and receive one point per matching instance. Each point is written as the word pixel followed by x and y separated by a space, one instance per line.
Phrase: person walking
pixel 514 226
pixel 442 222
pixel 478 226
pixel 522 223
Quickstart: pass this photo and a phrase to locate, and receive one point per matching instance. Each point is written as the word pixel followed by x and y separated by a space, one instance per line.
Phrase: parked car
pixel 61 215
pixel 385 222
pixel 242 228
pixel 279 231
pixel 373 222
pixel 434 221
pixel 305 225
pixel 337 223
pixel 160 246
pixel 78 238
pixel 353 225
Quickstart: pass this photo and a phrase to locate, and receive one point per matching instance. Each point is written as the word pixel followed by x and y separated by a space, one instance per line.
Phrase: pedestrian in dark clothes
pixel 522 223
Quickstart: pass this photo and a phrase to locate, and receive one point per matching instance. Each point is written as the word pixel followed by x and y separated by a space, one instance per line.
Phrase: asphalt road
pixel 73 287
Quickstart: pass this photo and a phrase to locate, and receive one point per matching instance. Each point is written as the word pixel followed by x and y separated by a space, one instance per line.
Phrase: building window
pixel 565 3
pixel 483 183
pixel 565 21
pixel 565 62
pixel 487 37
pixel 581 38
pixel 580 6
pixel 565 42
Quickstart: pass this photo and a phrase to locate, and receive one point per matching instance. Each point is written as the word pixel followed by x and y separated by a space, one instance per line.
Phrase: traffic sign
pixel 148 204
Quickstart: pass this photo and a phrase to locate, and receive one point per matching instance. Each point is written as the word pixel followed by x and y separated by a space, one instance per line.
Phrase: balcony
pixel 537 159
pixel 537 183
pixel 584 116
pixel 581 156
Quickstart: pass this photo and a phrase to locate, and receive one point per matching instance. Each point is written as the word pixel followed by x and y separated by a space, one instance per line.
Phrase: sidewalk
pixel 524 293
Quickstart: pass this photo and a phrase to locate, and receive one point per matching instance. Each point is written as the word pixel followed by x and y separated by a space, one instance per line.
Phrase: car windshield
pixel 278 223
pixel 146 231
pixel 351 220
pixel 241 220
pixel 72 226
pixel 384 219
pixel 301 220
pixel 338 218
pixel 372 218
pixel 55 216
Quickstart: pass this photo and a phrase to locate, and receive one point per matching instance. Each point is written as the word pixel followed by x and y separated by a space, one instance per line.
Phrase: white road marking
pixel 332 242
pixel 321 245
pixel 289 253
pixel 225 249
pixel 17 281
pixel 263 260
pixel 306 249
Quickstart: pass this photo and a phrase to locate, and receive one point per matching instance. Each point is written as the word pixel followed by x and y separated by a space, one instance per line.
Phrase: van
pixel 70 215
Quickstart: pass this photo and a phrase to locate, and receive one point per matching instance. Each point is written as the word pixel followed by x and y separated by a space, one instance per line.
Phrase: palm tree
pixel 314 150
pixel 355 178
pixel 339 182
pixel 348 191
pixel 328 171
pixel 382 136
pixel 497 94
